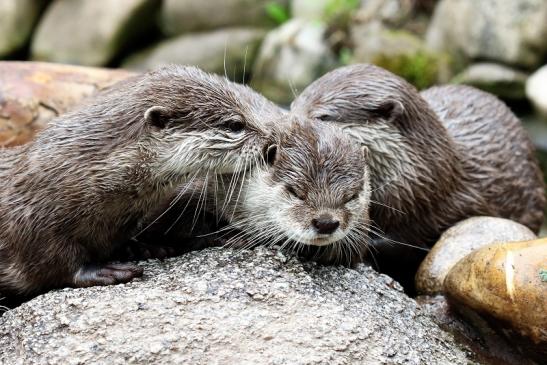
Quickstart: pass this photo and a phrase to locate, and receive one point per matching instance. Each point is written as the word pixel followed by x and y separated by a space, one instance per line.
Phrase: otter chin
pixel 311 195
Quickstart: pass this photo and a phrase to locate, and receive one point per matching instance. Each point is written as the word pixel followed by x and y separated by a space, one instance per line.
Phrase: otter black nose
pixel 325 224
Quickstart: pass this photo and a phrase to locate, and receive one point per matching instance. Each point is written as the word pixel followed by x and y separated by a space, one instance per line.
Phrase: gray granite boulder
pixel 222 306
pixel 182 16
pixel 91 33
pixel 17 19
pixel 291 57
pixel 511 32
pixel 500 80
pixel 233 48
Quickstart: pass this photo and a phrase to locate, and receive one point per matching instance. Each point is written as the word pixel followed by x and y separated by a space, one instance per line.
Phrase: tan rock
pixel 507 283
pixel 460 240
pixel 31 93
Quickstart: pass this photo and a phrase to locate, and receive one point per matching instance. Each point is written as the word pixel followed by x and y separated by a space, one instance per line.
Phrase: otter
pixel 436 157
pixel 311 196
pixel 87 181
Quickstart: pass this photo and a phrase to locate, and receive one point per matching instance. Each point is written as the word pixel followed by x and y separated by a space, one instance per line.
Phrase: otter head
pixel 199 122
pixel 357 94
pixel 314 190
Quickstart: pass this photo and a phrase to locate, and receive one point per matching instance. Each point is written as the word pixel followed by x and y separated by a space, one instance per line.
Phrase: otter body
pixel 81 188
pixel 436 158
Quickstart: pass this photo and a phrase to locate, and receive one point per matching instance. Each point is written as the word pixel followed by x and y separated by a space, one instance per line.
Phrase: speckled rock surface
pixel 220 306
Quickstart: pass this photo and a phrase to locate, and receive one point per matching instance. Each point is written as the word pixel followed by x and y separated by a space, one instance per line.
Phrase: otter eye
pixel 293 192
pixel 324 118
pixel 352 198
pixel 235 125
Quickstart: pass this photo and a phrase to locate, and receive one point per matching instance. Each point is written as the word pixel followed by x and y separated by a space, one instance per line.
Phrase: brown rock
pixel 31 93
pixel 506 284
pixel 460 240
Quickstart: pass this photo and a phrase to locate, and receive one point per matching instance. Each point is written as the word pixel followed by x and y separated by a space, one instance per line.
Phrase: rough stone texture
pixel 290 58
pixel 536 90
pixel 182 16
pixel 233 48
pixel 32 93
pixel 459 241
pixel 90 33
pixel 511 32
pixel 506 283
pixel 499 80
pixel 17 19
pixel 220 306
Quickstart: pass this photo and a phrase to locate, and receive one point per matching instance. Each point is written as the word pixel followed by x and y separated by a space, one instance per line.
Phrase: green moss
pixel 339 12
pixel 420 69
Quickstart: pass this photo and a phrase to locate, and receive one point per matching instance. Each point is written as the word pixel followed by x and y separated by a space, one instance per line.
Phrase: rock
pixel 536 90
pixel 499 80
pixel 223 306
pixel 388 12
pixel 459 241
pixel 506 284
pixel 511 32
pixel 31 93
pixel 399 52
pixel 312 10
pixel 91 33
pixel 209 51
pixel 182 16
pixel 17 19
pixel 290 58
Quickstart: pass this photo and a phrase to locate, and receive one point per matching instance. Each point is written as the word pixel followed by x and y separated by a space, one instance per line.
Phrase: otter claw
pixel 109 274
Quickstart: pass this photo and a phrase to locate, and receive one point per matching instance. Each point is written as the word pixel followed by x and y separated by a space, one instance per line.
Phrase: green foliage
pixel 543 274
pixel 277 12
pixel 339 12
pixel 345 55
pixel 420 69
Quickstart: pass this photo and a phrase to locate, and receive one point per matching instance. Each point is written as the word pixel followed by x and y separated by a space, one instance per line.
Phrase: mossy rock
pixel 402 53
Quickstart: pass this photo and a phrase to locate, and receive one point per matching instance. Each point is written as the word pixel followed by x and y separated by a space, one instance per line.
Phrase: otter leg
pixel 108 274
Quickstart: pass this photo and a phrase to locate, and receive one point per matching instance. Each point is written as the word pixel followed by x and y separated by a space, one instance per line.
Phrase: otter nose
pixel 325 224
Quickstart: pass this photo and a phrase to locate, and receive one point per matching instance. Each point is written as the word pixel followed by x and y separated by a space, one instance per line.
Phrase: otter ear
pixel 389 110
pixel 157 116
pixel 270 154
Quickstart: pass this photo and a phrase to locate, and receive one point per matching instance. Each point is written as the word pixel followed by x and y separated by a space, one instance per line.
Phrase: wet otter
pixel 435 158
pixel 312 196
pixel 69 197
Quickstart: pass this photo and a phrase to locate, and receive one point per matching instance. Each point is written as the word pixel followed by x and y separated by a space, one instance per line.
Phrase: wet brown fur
pixel 82 187
pixel 437 157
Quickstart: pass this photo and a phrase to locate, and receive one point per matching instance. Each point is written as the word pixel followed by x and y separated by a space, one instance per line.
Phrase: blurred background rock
pixel 280 46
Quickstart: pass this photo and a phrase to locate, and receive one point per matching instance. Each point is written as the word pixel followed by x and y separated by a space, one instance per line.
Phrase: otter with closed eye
pixel 312 196
pixel 437 157
pixel 77 191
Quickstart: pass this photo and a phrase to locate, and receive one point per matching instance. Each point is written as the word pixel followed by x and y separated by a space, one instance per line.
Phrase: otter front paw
pixel 108 274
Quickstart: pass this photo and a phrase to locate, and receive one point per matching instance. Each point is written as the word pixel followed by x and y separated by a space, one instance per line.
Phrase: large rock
pixel 182 16
pixel 511 32
pixel 91 33
pixel 32 93
pixel 400 52
pixel 536 90
pixel 499 80
pixel 290 58
pixel 507 284
pixel 459 241
pixel 222 306
pixel 17 19
pixel 233 48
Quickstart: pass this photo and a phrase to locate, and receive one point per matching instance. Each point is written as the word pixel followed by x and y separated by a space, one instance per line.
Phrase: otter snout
pixel 325 224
